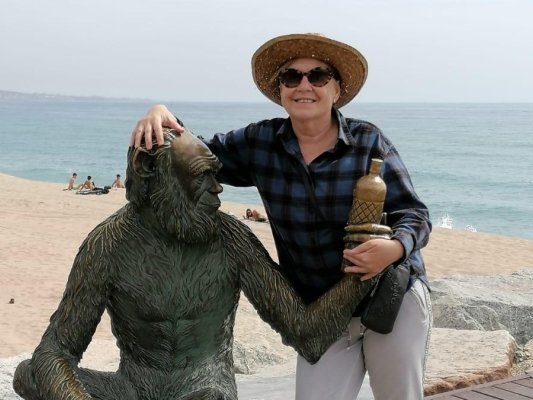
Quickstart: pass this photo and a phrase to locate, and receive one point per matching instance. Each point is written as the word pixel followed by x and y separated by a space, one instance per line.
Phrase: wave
pixel 446 221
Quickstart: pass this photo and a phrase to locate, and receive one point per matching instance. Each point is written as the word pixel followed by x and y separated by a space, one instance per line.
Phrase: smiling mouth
pixel 304 101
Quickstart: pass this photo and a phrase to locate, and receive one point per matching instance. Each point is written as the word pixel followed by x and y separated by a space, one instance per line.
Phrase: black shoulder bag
pixel 385 299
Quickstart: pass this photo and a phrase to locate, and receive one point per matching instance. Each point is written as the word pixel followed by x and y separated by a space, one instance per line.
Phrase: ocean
pixel 472 164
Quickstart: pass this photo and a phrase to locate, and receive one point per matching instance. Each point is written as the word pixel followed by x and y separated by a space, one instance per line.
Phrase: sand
pixel 42 226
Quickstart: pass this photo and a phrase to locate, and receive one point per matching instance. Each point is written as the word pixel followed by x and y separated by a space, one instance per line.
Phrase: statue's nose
pixel 215 187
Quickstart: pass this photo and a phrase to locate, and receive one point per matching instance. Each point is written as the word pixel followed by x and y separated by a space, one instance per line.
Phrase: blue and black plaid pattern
pixel 309 246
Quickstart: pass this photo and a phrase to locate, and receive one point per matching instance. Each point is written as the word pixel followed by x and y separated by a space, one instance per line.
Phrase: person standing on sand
pixel 318 149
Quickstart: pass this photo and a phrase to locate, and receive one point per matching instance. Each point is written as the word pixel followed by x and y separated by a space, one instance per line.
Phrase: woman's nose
pixel 304 83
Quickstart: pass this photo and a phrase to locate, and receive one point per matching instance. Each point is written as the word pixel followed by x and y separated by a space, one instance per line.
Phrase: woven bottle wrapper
pixel 368 197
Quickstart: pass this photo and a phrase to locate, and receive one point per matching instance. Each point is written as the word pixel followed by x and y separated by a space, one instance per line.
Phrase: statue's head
pixel 176 180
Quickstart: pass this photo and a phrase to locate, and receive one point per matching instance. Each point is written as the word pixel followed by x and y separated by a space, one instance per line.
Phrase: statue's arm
pixel 310 329
pixel 55 360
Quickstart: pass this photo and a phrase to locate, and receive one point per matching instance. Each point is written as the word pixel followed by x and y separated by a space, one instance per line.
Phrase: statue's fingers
pixel 363 237
pixel 369 228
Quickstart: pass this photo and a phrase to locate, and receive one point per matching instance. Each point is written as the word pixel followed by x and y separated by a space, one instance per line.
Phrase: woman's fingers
pixel 152 125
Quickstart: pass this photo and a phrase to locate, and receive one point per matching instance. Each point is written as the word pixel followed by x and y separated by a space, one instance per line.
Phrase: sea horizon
pixel 469 162
pixel 10 94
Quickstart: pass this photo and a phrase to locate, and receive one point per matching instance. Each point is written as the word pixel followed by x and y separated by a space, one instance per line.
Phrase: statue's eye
pixel 208 172
pixel 205 164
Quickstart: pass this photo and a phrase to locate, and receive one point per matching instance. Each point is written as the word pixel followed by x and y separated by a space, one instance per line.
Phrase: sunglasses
pixel 318 77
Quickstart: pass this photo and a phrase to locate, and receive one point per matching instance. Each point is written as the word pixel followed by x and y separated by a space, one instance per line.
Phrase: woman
pixel 318 149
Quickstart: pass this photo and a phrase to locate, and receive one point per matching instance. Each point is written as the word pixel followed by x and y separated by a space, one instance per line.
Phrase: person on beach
pixel 317 148
pixel 88 184
pixel 248 213
pixel 117 183
pixel 72 181
pixel 254 215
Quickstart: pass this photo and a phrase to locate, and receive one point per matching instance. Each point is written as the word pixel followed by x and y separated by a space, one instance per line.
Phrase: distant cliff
pixel 6 94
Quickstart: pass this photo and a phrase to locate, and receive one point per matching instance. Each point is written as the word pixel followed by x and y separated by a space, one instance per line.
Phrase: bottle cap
pixel 375 166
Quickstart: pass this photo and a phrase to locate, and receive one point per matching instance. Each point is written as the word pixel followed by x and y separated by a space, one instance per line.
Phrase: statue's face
pixel 196 168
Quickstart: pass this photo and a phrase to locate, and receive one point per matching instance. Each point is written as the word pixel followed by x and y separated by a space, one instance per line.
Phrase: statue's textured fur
pixel 168 267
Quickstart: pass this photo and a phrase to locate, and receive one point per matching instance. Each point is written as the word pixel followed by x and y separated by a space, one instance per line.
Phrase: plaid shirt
pixel 266 155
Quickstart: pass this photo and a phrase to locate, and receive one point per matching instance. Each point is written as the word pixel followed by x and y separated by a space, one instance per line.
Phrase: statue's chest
pixel 179 284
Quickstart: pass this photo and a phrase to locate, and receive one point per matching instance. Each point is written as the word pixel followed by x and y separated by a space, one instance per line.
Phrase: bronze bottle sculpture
pixel 367 209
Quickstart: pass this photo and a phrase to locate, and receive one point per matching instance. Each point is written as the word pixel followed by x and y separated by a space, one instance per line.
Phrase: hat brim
pixel 271 56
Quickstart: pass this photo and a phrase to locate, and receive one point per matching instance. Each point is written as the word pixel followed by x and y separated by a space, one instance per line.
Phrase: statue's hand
pixel 357 234
pixel 376 229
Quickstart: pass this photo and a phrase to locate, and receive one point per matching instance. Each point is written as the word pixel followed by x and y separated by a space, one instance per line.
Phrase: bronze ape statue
pixel 168 267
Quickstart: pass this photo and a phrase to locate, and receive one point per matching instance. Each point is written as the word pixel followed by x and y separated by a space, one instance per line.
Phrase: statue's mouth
pixel 210 206
pixel 208 202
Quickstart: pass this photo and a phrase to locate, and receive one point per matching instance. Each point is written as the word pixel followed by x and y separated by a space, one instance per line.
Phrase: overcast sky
pixel 194 50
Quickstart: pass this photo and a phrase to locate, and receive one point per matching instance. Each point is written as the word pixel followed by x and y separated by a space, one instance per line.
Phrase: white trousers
pixel 395 362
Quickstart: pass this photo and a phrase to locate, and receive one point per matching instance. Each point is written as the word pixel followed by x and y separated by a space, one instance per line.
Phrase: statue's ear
pixel 143 163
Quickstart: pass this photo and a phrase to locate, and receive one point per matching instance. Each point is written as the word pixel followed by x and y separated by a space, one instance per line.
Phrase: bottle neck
pixel 375 166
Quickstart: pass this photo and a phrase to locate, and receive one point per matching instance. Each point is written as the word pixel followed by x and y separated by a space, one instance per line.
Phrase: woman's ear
pixel 143 163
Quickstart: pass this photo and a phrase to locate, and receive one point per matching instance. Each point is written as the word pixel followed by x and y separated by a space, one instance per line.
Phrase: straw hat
pixel 272 55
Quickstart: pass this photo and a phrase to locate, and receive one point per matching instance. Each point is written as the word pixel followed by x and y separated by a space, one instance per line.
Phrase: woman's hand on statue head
pixel 152 125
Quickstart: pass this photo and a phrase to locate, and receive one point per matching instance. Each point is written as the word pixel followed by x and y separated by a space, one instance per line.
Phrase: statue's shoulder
pixel 116 229
pixel 232 226
pixel 237 234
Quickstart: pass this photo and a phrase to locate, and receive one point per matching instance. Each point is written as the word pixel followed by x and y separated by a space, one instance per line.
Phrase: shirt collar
pixel 343 127
pixel 286 128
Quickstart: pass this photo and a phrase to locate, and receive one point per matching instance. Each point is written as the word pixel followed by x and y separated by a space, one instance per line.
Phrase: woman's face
pixel 306 102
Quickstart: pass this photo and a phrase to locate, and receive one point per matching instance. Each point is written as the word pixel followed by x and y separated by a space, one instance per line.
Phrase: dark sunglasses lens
pixel 291 78
pixel 319 77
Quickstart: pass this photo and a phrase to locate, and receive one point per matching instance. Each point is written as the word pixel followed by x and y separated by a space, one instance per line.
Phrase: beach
pixel 42 227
